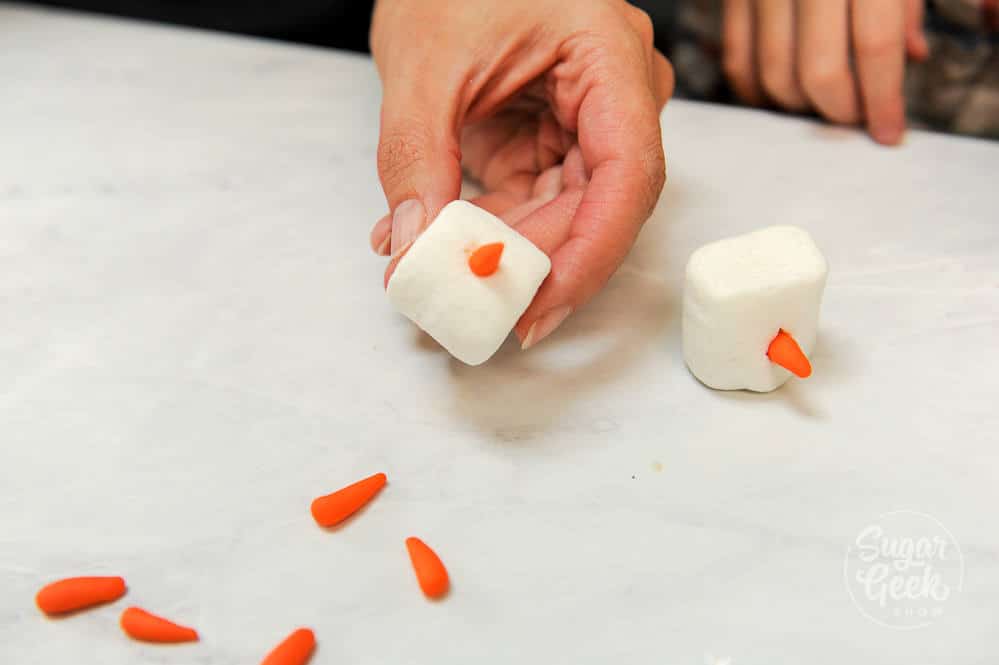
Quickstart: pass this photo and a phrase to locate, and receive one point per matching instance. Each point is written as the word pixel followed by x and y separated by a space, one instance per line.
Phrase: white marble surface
pixel 194 343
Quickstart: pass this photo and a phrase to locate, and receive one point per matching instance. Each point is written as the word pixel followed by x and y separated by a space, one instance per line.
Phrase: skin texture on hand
pixel 554 112
pixel 844 59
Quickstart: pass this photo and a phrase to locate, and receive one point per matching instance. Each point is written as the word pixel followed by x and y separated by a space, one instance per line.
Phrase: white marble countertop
pixel 194 343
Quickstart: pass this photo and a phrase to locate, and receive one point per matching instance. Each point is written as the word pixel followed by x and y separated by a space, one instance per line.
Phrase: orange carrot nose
pixel 485 260
pixel 141 625
pixel 334 508
pixel 75 593
pixel 295 650
pixel 784 351
pixel 430 571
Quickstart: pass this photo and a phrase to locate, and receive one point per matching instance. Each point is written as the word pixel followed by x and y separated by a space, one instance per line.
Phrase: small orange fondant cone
pixel 784 351
pixel 141 625
pixel 75 593
pixel 485 260
pixel 430 571
pixel 334 508
pixel 296 649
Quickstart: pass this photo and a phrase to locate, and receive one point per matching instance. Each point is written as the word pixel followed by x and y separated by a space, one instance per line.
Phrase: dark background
pixel 332 23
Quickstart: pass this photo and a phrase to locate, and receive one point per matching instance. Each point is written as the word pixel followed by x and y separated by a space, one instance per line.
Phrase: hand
pixel 843 58
pixel 553 109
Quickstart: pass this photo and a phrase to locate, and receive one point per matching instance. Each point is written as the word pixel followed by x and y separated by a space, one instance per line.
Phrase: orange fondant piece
pixel 143 626
pixel 76 593
pixel 296 649
pixel 334 508
pixel 430 571
pixel 485 260
pixel 784 351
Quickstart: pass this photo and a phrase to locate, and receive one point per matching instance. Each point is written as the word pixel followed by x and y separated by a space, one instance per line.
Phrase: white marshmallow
pixel 739 293
pixel 468 315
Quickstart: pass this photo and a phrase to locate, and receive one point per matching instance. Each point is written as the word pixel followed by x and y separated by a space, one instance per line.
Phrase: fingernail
pixel 380 232
pixel 402 250
pixel 407 222
pixel 383 249
pixel 888 135
pixel 548 184
pixel 545 326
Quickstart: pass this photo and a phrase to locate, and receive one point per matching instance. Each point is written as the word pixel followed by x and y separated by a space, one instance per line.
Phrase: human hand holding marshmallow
pixel 555 113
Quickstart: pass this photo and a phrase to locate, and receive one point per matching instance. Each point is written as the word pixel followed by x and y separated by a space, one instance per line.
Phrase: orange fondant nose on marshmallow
pixel 485 260
pixel 784 351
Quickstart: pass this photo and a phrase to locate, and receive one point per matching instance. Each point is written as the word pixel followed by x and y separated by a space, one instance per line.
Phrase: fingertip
pixel 847 116
pixel 523 328
pixel 545 325
pixel 920 48
pixel 408 221
pixel 888 126
pixel 752 97
pixel 888 135
pixel 388 274
pixel 394 263
pixel 381 235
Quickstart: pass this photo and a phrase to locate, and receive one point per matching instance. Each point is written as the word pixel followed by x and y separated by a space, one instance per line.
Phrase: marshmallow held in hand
pixel 467 280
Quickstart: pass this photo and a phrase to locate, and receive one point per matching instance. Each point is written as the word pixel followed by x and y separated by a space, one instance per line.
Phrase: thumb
pixel 419 159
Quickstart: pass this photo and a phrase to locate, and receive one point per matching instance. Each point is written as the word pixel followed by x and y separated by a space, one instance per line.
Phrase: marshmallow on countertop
pixel 739 294
pixel 434 286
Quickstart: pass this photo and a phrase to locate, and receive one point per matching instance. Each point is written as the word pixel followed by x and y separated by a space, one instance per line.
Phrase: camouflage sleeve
pixel 957 88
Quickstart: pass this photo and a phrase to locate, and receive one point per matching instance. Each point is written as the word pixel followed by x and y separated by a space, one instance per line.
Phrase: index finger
pixel 879 49
pixel 621 144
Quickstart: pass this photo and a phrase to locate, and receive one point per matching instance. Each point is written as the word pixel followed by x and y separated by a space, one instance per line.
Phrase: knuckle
pixel 400 150
pixel 654 173
pixel 876 46
pixel 819 77
pixel 642 22
pixel 668 80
